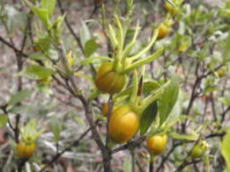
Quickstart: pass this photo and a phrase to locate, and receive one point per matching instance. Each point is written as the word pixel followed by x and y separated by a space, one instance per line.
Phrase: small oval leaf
pixel 148 116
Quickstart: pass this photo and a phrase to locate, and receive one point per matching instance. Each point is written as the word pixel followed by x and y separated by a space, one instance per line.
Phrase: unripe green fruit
pixel 199 149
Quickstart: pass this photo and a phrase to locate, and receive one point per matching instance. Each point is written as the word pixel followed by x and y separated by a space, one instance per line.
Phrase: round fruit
pixel 123 124
pixel 109 81
pixel 25 150
pixel 199 149
pixel 164 30
pixel 156 144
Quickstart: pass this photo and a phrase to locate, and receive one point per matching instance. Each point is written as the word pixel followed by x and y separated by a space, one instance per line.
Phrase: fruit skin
pixel 164 30
pixel 123 124
pixel 109 81
pixel 25 150
pixel 199 149
pixel 156 144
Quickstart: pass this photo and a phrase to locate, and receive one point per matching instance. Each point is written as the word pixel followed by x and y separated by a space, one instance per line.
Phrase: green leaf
pixel 175 115
pixel 38 56
pixel 56 129
pixel 38 72
pixel 90 47
pixel 147 118
pixel 187 137
pixel 30 132
pixel 226 54
pixel 149 86
pixel 225 149
pixel 49 5
pixel 43 43
pixel 225 100
pixel 184 42
pixel 84 33
pixel 19 96
pixel 43 15
pixel 168 100
pixel 3 120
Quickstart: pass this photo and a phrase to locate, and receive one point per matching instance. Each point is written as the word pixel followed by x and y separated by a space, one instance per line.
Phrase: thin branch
pixel 215 135
pixel 166 157
pixel 110 103
pixel 133 144
pixel 224 114
pixel 70 27
pixel 182 166
pixel 75 143
pixel 12 47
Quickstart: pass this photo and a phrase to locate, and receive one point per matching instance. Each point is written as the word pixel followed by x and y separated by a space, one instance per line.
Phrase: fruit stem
pixel 143 51
pixel 131 44
pixel 145 60
pixel 112 36
pixel 133 97
pixel 151 163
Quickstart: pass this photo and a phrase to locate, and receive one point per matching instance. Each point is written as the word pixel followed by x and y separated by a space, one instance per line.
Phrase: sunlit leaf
pixel 3 120
pixel 49 5
pixel 225 149
pixel 167 100
pixel 38 72
pixel 225 100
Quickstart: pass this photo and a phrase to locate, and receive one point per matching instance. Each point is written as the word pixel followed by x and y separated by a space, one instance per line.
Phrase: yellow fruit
pixel 123 124
pixel 25 150
pixel 164 30
pixel 109 81
pixel 171 9
pixel 156 144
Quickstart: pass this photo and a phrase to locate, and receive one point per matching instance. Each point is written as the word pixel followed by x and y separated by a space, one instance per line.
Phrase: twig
pixel 133 160
pixel 194 95
pixel 12 47
pixel 182 166
pixel 70 27
pixel 166 157
pixel 110 103
pixel 16 128
pixel 75 143
pixel 213 108
pixel 222 134
pixel 151 165
pixel 134 143
pixel 224 114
